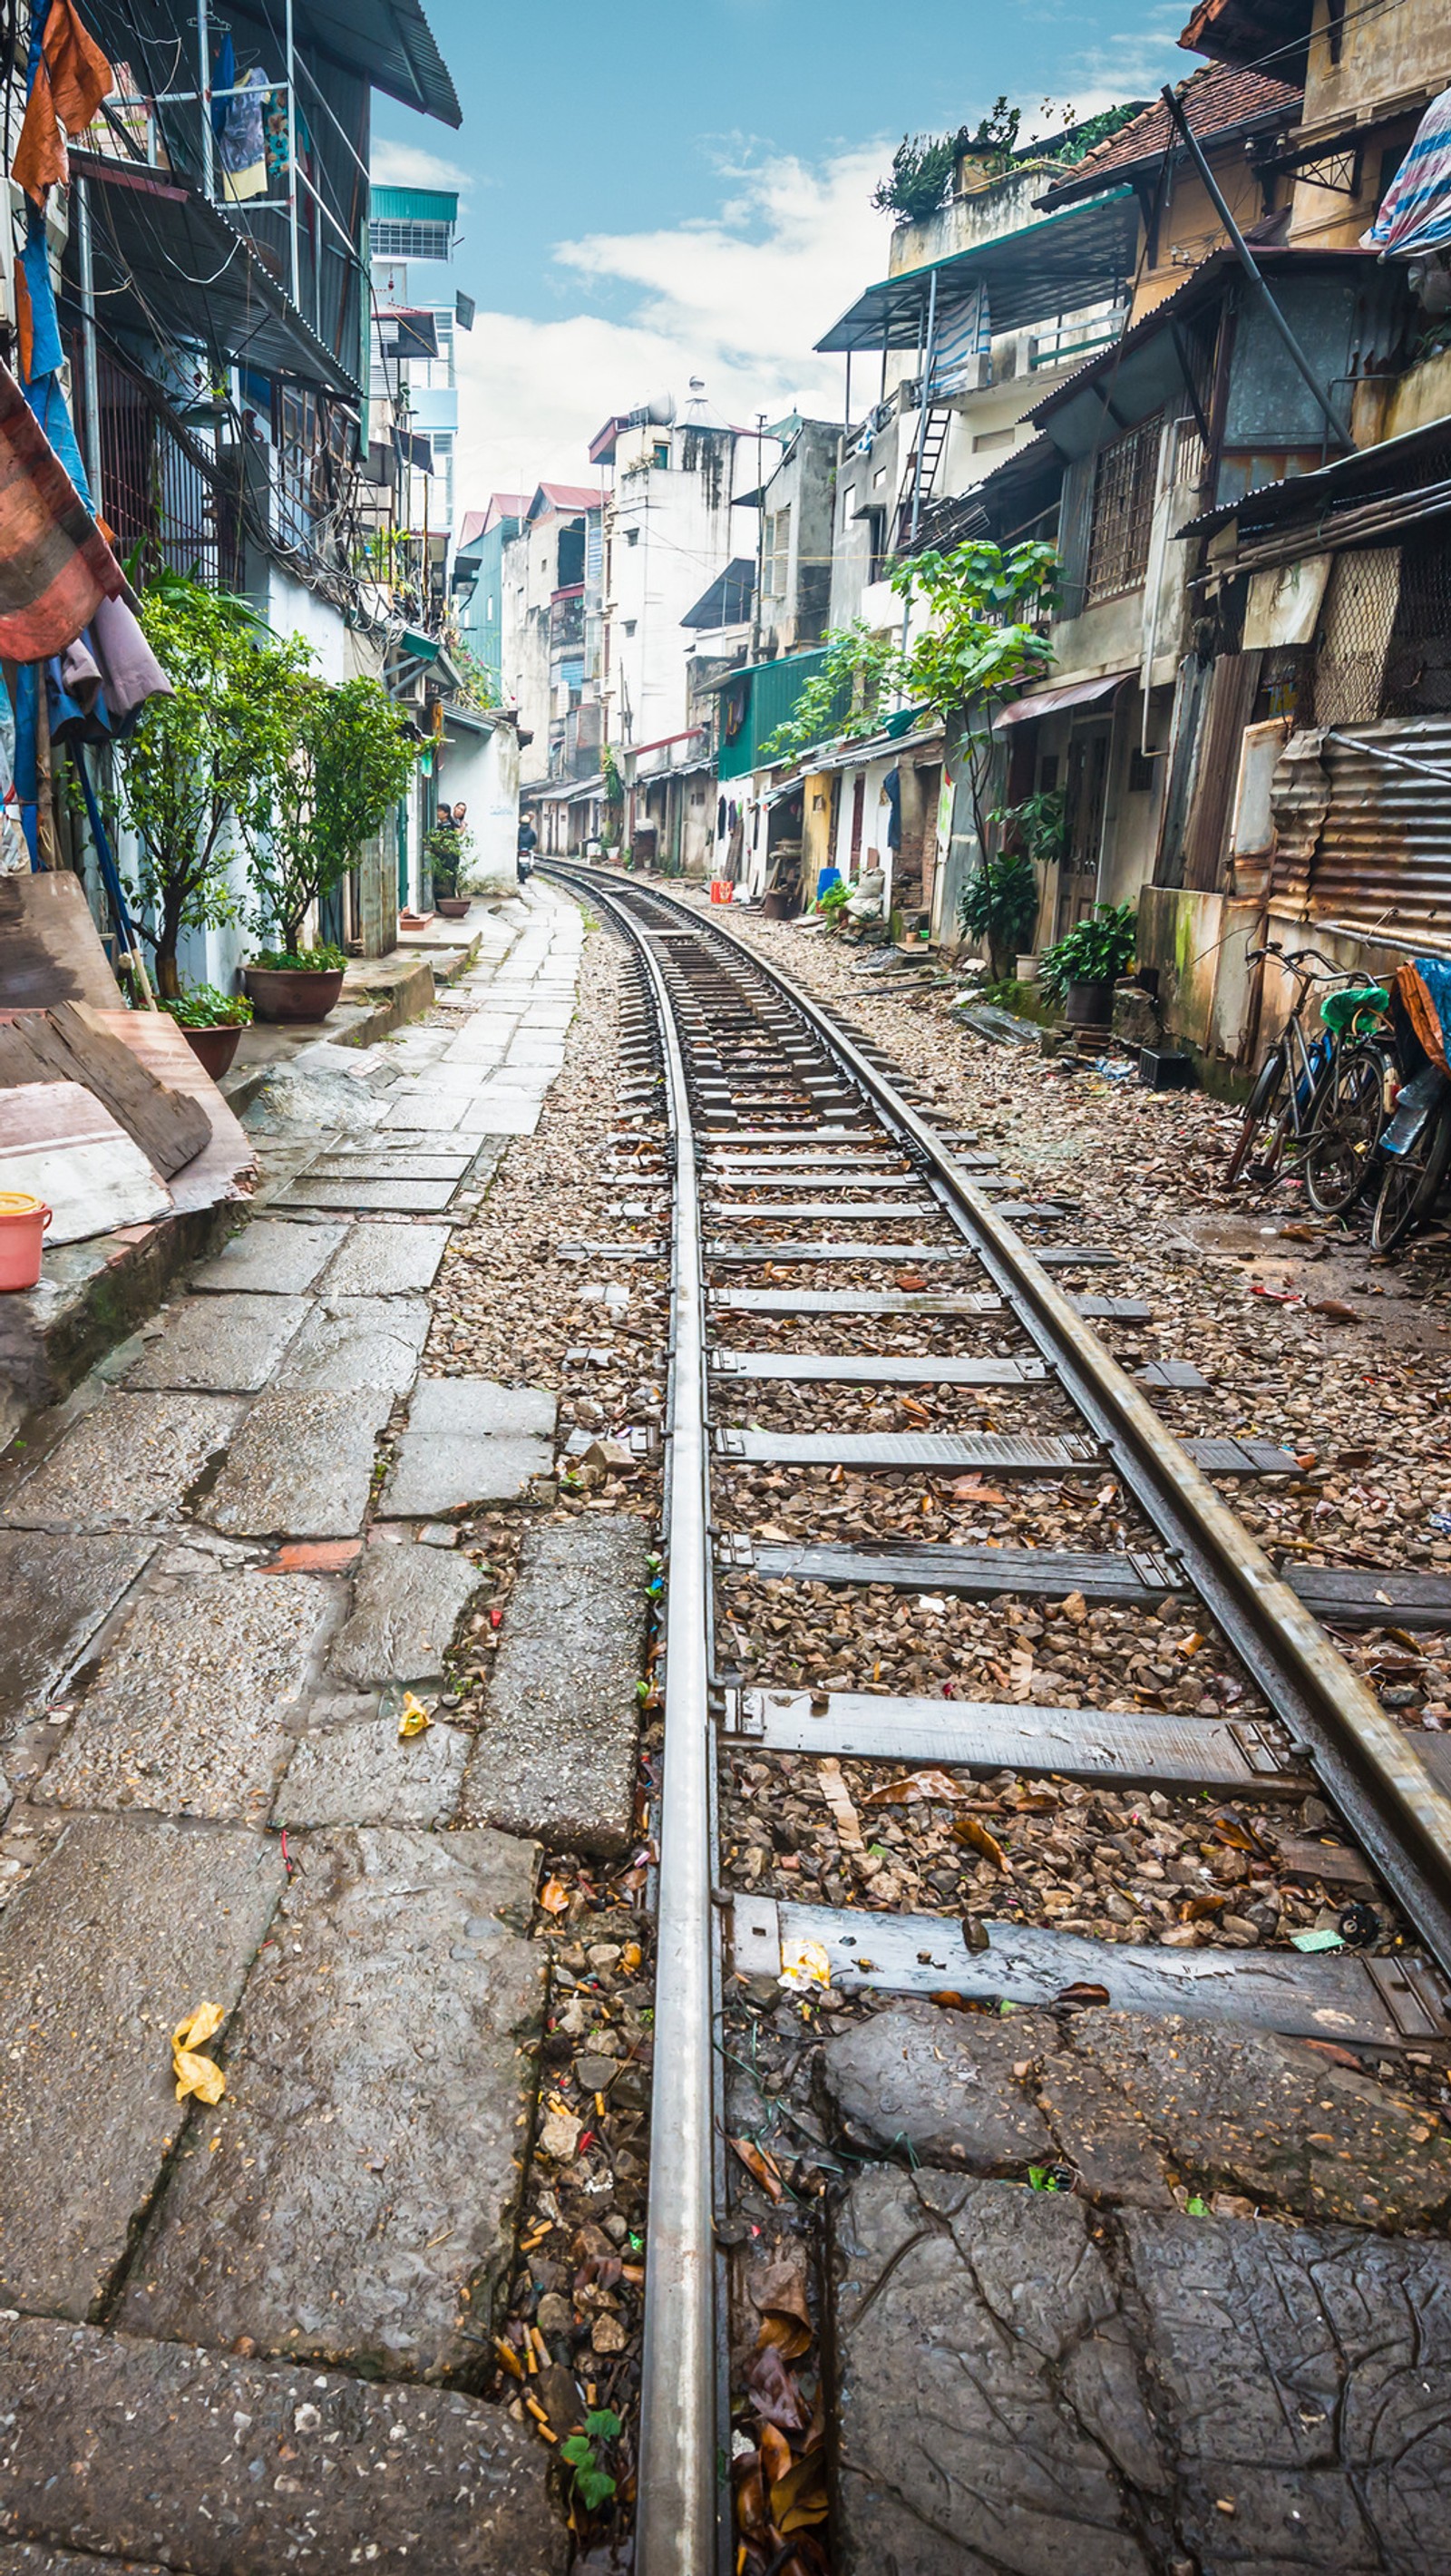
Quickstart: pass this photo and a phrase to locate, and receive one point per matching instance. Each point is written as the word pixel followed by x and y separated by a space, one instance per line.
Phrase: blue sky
pixel 648 192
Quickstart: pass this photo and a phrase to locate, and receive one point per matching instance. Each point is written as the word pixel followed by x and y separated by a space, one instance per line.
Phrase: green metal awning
pixel 1081 256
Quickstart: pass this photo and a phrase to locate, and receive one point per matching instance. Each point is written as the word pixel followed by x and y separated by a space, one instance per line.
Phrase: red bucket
pixel 23 1220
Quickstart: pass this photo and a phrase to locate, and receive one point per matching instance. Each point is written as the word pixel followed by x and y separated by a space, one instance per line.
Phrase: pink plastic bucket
pixel 23 1221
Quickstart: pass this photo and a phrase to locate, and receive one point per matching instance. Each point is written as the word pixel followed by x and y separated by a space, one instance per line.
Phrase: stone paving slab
pixel 387 1260
pixel 188 1712
pixel 363 2202
pixel 425 1112
pixel 448 1164
pixel 404 1198
pixel 358 1342
pixel 54 1594
pixel 226 1344
pixel 127 1924
pixel 270 1258
pixel 1135 2107
pixel 301 1466
pixel 556 1755
pixel 27 2558
pixel 127 1464
pixel 407 1602
pixel 1023 2386
pixel 223 2467
pixel 360 1771
pixel 469 1440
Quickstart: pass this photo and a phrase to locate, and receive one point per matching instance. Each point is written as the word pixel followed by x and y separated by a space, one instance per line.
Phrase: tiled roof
pixel 566 496
pixel 1220 99
pixel 473 526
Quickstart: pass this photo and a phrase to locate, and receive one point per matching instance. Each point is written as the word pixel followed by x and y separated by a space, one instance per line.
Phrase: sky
pixel 645 197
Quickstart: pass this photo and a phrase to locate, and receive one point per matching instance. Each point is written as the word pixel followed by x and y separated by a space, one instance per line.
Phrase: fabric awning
pixel 159 246
pixel 1051 702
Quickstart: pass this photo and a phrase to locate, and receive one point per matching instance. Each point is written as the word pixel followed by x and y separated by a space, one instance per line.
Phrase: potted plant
pixel 1035 827
pixel 1081 968
pixel 999 905
pixel 211 1023
pixel 199 760
pixel 447 848
pixel 348 761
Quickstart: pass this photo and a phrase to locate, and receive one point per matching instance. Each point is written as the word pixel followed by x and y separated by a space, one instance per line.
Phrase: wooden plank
pixel 1389 1596
pixel 50 948
pixel 794 1134
pixel 227 1159
pixel 940 1452
pixel 1134 1581
pixel 837 1211
pixel 1137 1748
pixel 908 1256
pixel 804 1368
pixel 1336 1995
pixel 72 1044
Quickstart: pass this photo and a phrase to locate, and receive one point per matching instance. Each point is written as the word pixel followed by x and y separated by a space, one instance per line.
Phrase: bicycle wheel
pixel 1347 1121
pixel 1411 1183
pixel 1261 1117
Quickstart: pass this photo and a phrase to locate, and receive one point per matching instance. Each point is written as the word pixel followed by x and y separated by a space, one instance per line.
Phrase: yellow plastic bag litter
pixel 413 1716
pixel 196 2074
pixel 805 1967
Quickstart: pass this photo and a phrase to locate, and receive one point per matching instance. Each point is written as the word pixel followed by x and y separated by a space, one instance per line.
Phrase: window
pixel 660 454
pixel 410 240
pixel 630 624
pixel 778 552
pixel 632 536
pixel 1124 484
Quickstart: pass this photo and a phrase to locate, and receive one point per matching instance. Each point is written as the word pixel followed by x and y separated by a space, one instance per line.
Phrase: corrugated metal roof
pixel 1365 838
pixel 413 205
pixel 1081 256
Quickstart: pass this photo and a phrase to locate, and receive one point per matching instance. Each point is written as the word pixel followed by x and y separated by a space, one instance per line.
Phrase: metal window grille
pixel 410 240
pixel 157 496
pixel 1123 507
pixel 1359 616
pixel 1418 666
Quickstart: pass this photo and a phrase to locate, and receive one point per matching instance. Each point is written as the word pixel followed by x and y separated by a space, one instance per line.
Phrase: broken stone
pixel 361 2205
pixel 407 1602
pixel 469 1440
pixel 54 1594
pixel 187 1713
pixel 127 1924
pixel 941 2086
pixel 171 2438
pixel 365 1773
pixel 556 1755
pixel 387 1260
pixel 228 1344
pixel 357 1343
pixel 128 1463
pixel 271 1259
pixel 301 1466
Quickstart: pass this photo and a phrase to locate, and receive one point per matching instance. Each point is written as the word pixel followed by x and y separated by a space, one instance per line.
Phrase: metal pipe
pixel 922 403
pixel 292 161
pixel 1247 263
pixel 204 75
pixel 90 372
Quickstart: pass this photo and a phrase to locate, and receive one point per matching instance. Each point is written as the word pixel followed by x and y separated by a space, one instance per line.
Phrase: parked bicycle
pixel 1320 1099
pixel 1414 1150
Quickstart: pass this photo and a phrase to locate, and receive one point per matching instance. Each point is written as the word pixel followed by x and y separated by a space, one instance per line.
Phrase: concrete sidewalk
pixel 223 2319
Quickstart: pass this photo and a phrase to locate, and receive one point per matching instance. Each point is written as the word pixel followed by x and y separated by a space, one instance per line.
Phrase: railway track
pixel 838 1261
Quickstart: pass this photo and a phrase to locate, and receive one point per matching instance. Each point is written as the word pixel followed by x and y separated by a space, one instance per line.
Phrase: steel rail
pixel 679 2480
pixel 1367 1763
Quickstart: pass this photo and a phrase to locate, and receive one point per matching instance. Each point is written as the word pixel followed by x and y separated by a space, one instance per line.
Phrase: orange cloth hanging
pixel 71 79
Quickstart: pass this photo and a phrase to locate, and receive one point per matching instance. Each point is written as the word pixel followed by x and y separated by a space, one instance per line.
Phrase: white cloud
pixel 738 300
pixel 407 165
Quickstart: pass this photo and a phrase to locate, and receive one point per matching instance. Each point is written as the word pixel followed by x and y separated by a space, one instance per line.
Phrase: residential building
pixel 670 527
pixel 478 579
pixel 549 572
pixel 796 505
pixel 413 383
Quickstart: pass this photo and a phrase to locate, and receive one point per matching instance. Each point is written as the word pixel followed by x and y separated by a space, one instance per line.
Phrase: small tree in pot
pixel 200 759
pixel 1080 969
pixel 349 759
pixel 1000 906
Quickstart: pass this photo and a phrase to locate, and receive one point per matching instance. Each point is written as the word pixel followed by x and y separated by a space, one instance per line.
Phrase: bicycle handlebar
pixel 1294 958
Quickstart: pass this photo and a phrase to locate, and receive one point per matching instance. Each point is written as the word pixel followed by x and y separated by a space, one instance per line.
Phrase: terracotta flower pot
pixel 292 993
pixel 215 1048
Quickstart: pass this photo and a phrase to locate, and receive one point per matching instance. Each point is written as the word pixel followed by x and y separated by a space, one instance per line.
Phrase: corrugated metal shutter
pixel 1381 864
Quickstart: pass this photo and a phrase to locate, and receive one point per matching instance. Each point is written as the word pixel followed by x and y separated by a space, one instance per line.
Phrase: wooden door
pixel 1087 796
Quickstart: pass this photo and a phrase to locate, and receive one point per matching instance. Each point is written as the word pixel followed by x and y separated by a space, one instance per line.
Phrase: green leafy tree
pixel 348 761
pixel 984 639
pixel 921 168
pixel 842 700
pixel 200 761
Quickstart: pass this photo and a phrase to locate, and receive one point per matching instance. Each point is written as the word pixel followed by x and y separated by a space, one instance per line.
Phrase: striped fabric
pixel 55 565
pixel 1415 213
